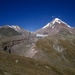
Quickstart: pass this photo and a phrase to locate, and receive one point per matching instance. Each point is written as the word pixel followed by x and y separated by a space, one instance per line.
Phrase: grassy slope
pixel 25 66
pixel 65 61
pixel 46 45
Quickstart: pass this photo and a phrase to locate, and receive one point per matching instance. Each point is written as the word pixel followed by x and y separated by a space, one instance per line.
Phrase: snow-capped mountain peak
pixel 56 20
pixel 46 25
pixel 17 28
pixel 50 24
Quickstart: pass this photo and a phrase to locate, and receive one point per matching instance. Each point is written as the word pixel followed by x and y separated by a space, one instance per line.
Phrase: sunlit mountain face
pixel 55 27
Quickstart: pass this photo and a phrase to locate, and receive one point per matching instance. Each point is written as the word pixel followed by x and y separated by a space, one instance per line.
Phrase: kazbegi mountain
pixel 55 27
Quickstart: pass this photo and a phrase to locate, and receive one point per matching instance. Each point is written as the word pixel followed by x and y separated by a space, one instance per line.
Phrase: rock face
pixel 15 39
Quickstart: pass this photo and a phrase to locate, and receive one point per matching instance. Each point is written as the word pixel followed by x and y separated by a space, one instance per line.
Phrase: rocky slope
pixel 14 39
pixel 55 57
pixel 16 65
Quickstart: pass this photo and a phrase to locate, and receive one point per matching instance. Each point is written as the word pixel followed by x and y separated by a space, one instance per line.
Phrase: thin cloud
pixel 52 16
pixel 55 16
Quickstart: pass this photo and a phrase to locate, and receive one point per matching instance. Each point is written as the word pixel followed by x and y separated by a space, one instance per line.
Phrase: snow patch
pixel 17 28
pixel 69 26
pixel 57 20
pixel 41 35
pixel 46 25
pixel 53 27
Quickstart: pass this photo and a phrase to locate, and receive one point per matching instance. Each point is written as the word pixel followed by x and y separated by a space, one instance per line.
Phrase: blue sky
pixel 34 14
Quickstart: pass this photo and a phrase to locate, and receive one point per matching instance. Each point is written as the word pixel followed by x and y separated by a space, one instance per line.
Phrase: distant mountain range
pixel 56 26
pixel 53 44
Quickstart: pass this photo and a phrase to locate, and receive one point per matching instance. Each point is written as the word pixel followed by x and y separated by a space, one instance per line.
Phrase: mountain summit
pixel 54 27
pixel 56 20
